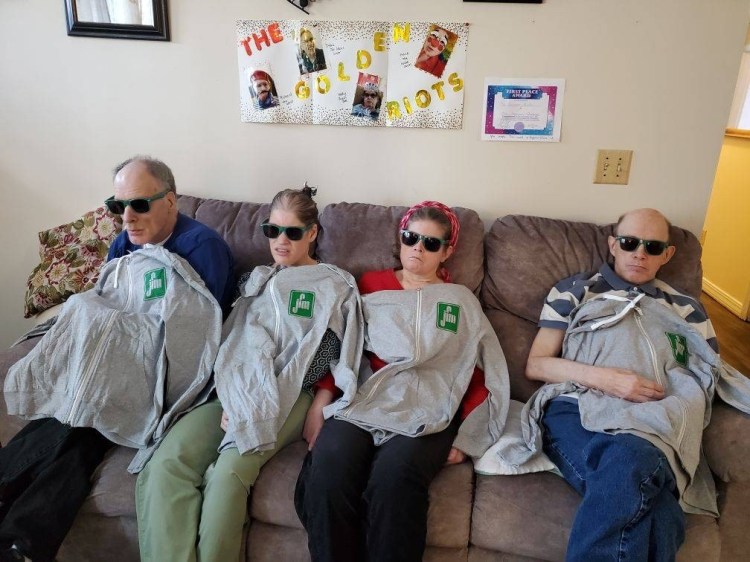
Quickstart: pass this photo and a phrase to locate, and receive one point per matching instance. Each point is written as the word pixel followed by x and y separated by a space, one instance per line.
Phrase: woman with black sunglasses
pixel 422 402
pixel 293 321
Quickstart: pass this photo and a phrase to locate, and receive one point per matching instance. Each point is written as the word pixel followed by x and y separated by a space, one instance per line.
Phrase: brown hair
pixel 298 201
pixel 435 215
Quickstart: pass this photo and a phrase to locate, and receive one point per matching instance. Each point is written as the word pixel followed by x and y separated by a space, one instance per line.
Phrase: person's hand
pixel 455 456
pixel 630 386
pixel 224 421
pixel 313 424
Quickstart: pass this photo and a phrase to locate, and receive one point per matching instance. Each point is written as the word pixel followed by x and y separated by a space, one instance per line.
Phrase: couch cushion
pixel 528 515
pixel 359 237
pixel 113 487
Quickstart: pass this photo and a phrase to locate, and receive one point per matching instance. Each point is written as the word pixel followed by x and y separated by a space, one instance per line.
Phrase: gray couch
pixel 475 518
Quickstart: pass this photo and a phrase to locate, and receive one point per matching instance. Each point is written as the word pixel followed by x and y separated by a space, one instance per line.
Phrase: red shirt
pixel 386 280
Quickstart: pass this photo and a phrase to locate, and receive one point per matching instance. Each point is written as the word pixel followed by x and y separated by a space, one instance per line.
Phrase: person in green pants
pixel 294 321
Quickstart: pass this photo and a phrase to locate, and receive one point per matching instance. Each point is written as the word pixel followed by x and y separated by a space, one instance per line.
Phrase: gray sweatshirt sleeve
pixel 352 341
pixel 484 425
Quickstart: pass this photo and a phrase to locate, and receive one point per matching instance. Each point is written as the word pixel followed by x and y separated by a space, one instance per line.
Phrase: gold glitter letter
pixel 343 77
pixel 438 87
pixel 364 59
pixel 423 98
pixel 456 82
pixel 394 111
pixel 301 90
pixel 401 32
pixel 378 41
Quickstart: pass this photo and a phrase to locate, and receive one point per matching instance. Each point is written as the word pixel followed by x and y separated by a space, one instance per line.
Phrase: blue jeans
pixel 630 509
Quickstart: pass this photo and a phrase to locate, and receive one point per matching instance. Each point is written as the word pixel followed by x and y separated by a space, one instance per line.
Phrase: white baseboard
pixel 723 298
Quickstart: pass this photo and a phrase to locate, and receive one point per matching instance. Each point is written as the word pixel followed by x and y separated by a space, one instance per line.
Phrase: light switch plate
pixel 613 166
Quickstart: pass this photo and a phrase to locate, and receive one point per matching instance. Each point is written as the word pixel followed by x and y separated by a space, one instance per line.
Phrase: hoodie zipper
pixel 277 312
pixel 99 349
pixel 417 346
pixel 88 372
pixel 683 409
pixel 651 349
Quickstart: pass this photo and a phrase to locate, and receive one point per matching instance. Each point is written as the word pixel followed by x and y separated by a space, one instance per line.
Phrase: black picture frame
pixel 157 32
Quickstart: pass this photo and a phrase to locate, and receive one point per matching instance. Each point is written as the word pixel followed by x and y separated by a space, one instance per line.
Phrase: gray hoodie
pixel 271 338
pixel 432 339
pixel 643 335
pixel 126 357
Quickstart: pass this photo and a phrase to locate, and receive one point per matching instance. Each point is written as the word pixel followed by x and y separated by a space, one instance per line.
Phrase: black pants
pixel 45 475
pixel 361 502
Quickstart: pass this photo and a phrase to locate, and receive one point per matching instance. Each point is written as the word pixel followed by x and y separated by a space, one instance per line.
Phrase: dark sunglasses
pixel 294 233
pixel 430 243
pixel 140 205
pixel 370 95
pixel 652 247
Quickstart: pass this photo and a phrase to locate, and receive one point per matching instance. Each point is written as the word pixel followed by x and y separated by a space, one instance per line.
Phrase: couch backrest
pixel 526 256
pixel 355 236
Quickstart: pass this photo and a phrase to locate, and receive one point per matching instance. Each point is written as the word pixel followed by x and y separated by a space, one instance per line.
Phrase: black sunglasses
pixel 652 247
pixel 140 205
pixel 294 233
pixel 430 243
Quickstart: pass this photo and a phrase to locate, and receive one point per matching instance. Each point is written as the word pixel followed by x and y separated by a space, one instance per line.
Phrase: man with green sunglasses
pixel 146 197
pixel 45 470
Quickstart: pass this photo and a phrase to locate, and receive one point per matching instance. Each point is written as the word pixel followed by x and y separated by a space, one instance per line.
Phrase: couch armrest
pixel 726 443
pixel 10 425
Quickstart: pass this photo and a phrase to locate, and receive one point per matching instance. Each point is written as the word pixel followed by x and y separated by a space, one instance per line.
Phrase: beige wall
pixel 652 76
pixel 726 250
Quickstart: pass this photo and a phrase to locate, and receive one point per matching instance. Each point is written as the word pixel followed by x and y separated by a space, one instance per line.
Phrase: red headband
pixel 447 211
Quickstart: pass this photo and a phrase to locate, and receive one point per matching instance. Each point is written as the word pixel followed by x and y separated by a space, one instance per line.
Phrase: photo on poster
pixel 262 89
pixel 310 58
pixel 367 97
pixel 436 50
pixel 523 109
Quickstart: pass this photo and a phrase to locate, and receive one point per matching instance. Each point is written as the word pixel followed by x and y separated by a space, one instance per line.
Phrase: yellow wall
pixel 726 251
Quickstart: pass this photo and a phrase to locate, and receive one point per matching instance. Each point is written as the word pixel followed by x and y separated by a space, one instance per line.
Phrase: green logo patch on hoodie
pixel 679 348
pixel 448 315
pixel 154 284
pixel 302 303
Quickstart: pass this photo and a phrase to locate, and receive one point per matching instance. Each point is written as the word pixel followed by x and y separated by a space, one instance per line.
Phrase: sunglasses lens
pixel 654 248
pixel 294 233
pixel 431 244
pixel 409 238
pixel 628 244
pixel 140 205
pixel 271 230
pixel 115 207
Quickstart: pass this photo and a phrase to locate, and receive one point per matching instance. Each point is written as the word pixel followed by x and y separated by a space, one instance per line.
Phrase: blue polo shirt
pixel 203 248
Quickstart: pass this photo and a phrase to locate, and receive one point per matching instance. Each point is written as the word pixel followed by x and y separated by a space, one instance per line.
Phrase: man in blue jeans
pixel 630 508
pixel 45 470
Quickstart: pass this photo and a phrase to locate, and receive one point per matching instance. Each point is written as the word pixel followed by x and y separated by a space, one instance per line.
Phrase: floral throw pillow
pixel 71 256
